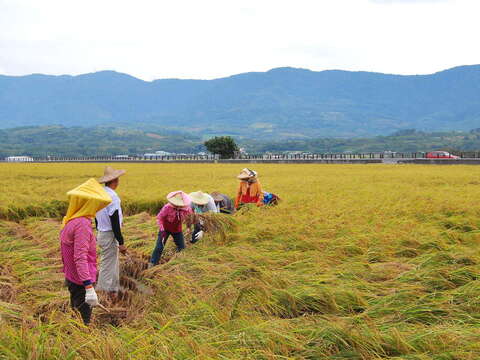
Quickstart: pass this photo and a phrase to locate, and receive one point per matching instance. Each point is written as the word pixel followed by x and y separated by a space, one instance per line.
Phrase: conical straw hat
pixel 110 174
pixel 199 197
pixel 178 198
pixel 217 196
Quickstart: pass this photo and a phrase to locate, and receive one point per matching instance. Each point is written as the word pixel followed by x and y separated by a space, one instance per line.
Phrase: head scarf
pixel 247 174
pixel 86 200
pixel 253 187
pixel 178 213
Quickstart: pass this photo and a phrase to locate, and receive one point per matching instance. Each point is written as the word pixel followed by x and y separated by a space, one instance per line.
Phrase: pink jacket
pixel 170 219
pixel 79 251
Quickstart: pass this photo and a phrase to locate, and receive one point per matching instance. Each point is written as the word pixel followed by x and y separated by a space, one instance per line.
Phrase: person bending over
pixel 249 190
pixel 223 203
pixel 201 203
pixel 170 220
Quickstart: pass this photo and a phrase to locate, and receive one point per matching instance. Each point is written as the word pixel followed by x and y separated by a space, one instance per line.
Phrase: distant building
pixel 162 153
pixel 19 159
pixel 158 154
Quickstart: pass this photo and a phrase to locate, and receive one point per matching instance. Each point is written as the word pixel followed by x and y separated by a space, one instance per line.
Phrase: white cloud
pixel 212 38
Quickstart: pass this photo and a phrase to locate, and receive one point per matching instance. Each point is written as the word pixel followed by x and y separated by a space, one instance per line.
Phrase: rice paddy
pixel 357 262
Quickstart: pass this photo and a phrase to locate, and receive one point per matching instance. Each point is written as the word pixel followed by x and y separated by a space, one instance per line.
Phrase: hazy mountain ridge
pixel 91 141
pixel 96 141
pixel 280 103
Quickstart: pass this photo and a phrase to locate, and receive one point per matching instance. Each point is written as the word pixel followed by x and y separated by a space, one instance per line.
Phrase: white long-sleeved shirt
pixel 103 216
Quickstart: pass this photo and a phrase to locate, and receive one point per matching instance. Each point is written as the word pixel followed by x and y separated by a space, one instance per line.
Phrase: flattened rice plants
pixel 357 262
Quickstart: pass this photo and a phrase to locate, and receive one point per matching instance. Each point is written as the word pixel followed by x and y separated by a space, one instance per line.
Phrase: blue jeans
pixel 162 240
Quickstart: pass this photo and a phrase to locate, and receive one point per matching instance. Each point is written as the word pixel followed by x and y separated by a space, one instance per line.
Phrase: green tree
pixel 224 146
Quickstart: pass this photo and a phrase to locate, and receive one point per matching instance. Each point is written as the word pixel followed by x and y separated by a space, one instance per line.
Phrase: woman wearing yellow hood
pixel 78 245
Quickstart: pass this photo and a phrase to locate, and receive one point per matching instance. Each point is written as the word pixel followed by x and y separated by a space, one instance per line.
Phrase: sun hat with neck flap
pixel 247 174
pixel 110 174
pixel 179 198
pixel 86 200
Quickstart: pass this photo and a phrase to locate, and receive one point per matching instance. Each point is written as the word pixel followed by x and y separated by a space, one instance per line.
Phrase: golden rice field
pixel 357 262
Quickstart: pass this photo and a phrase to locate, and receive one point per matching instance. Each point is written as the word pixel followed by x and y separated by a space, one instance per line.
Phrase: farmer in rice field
pixel 270 199
pixel 78 245
pixel 201 203
pixel 249 189
pixel 170 220
pixel 223 203
pixel 110 239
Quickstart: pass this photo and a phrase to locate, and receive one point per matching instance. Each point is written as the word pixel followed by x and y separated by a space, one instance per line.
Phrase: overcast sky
pixel 207 39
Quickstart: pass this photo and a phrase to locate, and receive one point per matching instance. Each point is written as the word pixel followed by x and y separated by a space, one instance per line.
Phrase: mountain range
pixel 278 104
pixel 41 141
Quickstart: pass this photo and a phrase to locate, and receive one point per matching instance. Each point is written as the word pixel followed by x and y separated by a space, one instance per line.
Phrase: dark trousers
pixel 161 241
pixel 77 300
pixel 196 229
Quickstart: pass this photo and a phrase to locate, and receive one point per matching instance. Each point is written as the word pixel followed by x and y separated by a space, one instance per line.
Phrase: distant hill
pixel 278 104
pixel 98 141
pixel 401 141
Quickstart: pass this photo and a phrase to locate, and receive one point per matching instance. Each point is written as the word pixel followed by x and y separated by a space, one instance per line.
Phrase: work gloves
pixel 91 296
pixel 199 235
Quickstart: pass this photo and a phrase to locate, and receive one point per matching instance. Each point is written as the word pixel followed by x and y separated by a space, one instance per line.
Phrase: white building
pixel 19 159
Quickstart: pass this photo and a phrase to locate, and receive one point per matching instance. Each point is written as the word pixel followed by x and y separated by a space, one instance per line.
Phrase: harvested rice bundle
pixel 7 291
pixel 49 307
pixel 112 316
pixel 134 264
pixel 10 311
pixel 216 224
